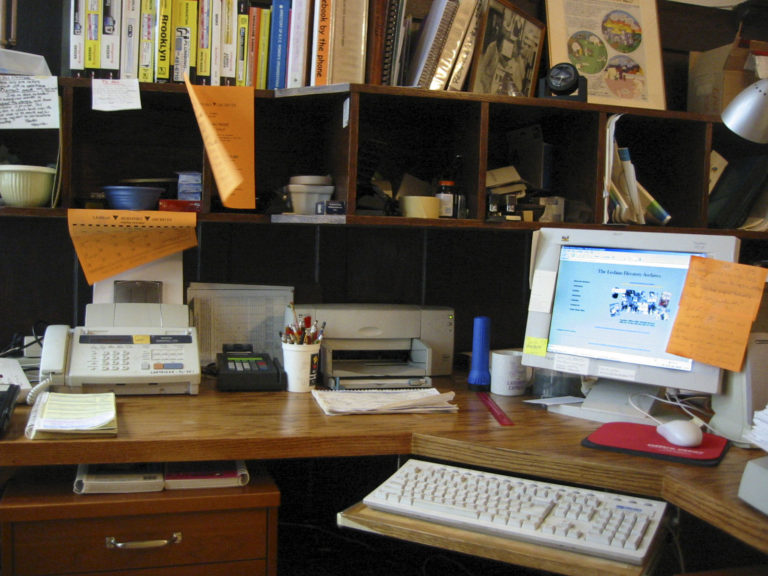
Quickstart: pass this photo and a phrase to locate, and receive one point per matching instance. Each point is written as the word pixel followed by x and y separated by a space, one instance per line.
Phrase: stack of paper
pixel 384 401
pixel 759 433
pixel 56 415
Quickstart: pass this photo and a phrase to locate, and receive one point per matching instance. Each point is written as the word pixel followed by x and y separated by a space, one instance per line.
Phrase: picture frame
pixel 508 54
pixel 615 45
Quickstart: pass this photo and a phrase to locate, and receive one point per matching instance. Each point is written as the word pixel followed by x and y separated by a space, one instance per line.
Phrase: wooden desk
pixel 282 425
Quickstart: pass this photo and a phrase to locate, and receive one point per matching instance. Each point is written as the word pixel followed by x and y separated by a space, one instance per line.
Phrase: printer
pixel 381 345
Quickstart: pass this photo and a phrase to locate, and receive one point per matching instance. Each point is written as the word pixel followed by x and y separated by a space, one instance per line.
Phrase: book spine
pixel 228 42
pixel 374 53
pixel 461 67
pixel 109 46
pixel 129 45
pixel 184 40
pixel 77 38
pixel 146 72
pixel 278 44
pixel 242 44
pixel 298 47
pixel 321 43
pixel 204 53
pixel 390 36
pixel 92 38
pixel 433 47
pixel 216 25
pixel 263 49
pixel 349 33
pixel 254 23
pixel 163 44
pixel 452 45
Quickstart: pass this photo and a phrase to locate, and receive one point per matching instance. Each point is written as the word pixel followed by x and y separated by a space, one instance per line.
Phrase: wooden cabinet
pixel 48 530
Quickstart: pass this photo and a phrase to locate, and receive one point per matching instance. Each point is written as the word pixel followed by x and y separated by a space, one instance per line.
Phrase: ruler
pixel 493 408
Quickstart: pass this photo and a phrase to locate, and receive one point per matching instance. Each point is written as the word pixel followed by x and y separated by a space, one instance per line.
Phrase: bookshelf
pixel 333 130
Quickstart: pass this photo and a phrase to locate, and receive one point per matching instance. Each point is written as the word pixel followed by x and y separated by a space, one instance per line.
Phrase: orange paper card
pixel 225 118
pixel 109 242
pixel 719 304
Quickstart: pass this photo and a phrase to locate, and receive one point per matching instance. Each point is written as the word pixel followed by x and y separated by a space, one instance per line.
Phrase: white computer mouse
pixel 681 433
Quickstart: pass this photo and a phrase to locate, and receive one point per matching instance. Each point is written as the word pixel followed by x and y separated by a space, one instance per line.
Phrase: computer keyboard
pixel 592 522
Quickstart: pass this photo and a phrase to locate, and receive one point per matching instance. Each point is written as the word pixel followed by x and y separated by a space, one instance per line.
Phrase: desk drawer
pixel 64 546
pixel 47 530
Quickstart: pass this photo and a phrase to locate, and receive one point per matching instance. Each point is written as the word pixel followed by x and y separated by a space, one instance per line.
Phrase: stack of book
pixel 154 477
pixel 276 44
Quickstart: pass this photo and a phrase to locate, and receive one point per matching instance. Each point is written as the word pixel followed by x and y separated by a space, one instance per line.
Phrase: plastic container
pixel 26 186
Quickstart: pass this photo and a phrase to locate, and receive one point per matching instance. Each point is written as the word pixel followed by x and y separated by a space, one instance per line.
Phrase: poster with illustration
pixel 614 44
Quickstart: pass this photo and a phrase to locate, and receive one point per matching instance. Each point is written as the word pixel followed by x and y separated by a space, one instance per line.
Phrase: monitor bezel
pixel 545 260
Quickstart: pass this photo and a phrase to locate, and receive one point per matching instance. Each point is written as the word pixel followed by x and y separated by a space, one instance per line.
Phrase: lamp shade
pixel 747 113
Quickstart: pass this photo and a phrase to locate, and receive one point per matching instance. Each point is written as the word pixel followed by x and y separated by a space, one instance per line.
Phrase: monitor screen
pixel 603 303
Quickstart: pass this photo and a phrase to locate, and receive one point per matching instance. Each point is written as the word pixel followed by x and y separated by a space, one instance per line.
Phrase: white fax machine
pixel 125 348
pixel 381 345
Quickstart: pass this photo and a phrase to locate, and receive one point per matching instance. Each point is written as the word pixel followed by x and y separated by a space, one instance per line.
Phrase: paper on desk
pixel 335 402
pixel 720 302
pixel 108 242
pixel 72 413
pixel 225 118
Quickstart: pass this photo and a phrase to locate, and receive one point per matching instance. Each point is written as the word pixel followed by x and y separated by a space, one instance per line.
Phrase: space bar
pixel 438 509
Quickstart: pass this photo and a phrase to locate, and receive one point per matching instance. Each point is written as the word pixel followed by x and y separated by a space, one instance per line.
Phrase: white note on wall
pixel 29 102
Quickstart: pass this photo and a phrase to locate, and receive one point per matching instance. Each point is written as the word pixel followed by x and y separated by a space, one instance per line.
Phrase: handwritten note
pixel 29 102
pixel 719 304
pixel 109 242
pixel 225 118
pixel 109 95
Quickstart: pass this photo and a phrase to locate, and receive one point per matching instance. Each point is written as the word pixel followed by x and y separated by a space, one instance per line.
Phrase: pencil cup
pixel 301 362
pixel 508 375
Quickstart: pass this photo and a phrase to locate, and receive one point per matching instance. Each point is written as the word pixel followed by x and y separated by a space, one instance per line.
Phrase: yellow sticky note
pixel 535 346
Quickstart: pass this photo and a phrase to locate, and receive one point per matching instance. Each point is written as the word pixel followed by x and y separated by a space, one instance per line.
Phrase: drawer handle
pixel 113 543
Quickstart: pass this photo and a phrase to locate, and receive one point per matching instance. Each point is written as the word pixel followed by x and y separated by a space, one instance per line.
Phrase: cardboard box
pixel 716 76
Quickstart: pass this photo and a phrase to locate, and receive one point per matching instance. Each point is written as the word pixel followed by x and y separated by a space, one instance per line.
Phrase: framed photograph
pixel 614 44
pixel 509 46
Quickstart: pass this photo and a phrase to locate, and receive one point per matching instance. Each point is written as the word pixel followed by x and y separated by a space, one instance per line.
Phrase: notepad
pixel 335 402
pixel 59 415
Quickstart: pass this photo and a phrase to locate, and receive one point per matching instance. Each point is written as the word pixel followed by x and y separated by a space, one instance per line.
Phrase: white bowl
pixel 25 186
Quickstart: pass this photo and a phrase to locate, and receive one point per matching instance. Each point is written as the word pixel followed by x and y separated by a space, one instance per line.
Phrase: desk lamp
pixel 747 113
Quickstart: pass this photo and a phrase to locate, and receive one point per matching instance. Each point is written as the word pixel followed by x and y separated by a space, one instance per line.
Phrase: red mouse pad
pixel 643 440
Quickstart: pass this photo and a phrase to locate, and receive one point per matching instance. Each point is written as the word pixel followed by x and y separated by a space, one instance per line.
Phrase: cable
pixel 38 389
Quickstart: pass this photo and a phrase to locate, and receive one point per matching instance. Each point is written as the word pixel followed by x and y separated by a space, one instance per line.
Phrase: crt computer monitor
pixel 602 305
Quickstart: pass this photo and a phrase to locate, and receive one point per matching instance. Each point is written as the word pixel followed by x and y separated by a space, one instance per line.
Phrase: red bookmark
pixel 494 409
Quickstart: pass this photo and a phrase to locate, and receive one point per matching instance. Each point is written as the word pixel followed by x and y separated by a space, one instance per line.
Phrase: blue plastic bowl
pixel 132 197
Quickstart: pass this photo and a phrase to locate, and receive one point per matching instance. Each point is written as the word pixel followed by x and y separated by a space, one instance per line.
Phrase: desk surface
pixel 280 425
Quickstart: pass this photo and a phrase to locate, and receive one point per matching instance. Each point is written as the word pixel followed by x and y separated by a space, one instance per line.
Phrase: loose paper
pixel 109 242
pixel 720 302
pixel 29 102
pixel 110 95
pixel 225 118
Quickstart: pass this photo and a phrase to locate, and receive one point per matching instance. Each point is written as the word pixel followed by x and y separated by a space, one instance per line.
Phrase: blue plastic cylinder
pixel 479 375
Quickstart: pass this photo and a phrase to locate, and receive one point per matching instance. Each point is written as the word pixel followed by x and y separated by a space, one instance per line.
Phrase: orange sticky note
pixel 720 302
pixel 109 242
pixel 225 118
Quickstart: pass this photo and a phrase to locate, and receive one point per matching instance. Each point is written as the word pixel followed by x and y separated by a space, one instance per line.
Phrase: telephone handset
pixel 54 360
pixel 55 355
